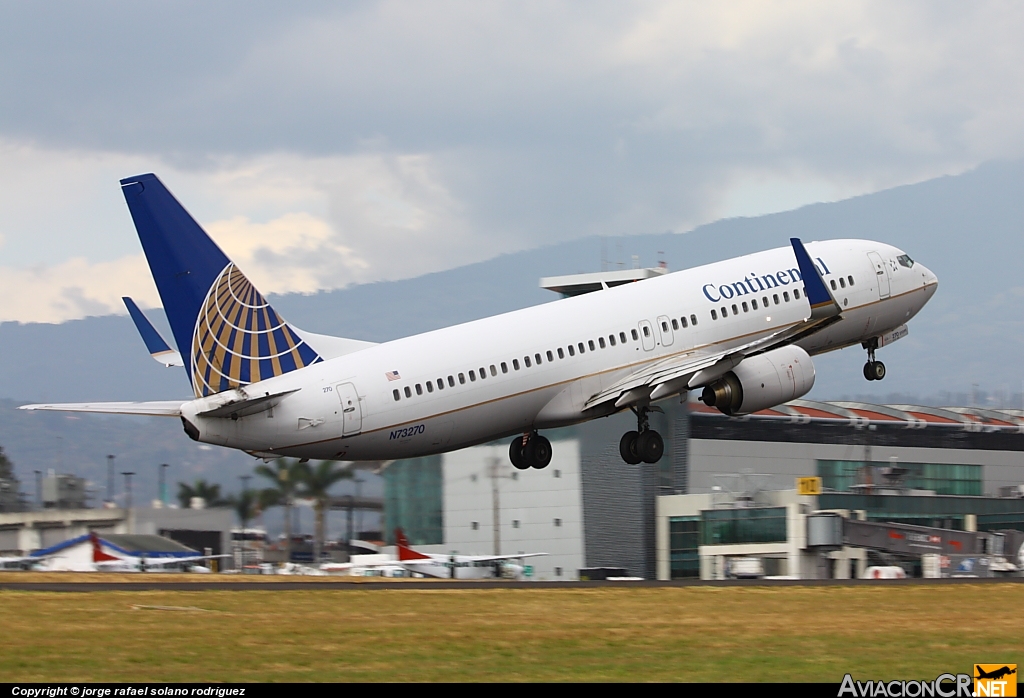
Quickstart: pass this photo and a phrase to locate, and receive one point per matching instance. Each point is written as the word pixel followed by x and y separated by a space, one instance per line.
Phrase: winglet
pixel 823 305
pixel 158 348
pixel 404 551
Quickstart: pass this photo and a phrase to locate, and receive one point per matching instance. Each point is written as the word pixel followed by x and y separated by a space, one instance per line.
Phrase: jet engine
pixel 762 381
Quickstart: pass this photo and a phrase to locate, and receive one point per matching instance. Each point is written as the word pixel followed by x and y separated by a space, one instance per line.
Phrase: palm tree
pixel 286 476
pixel 209 492
pixel 247 506
pixel 316 484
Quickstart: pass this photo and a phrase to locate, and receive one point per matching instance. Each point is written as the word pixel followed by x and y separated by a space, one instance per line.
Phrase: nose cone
pixel 929 280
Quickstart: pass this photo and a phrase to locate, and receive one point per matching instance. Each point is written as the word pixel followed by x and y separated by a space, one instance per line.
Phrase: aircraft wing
pixel 497 558
pixel 160 408
pixel 162 561
pixel 692 370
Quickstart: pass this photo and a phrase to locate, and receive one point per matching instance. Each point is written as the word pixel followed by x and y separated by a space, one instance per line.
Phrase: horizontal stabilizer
pixel 158 348
pixel 162 408
pixel 241 405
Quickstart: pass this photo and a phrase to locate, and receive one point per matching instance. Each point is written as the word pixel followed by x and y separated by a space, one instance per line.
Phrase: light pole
pixel 128 497
pixel 110 481
pixel 162 494
pixel 39 488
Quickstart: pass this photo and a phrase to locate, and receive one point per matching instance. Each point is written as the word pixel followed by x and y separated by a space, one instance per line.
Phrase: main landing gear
pixel 643 445
pixel 530 451
pixel 873 370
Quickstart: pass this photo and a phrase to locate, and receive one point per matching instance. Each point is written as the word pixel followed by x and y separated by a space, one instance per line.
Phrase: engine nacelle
pixel 762 381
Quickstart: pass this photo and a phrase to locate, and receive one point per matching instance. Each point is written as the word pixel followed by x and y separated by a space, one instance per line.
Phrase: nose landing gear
pixel 530 451
pixel 873 370
pixel 643 445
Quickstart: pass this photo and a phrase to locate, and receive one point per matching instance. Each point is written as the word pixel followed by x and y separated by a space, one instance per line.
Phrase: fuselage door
pixel 647 335
pixel 665 330
pixel 881 274
pixel 352 413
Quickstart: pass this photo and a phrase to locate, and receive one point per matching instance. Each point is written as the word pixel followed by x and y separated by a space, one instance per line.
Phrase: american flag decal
pixel 392 375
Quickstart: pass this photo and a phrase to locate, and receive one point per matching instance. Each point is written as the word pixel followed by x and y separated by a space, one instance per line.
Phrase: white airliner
pixel 99 560
pixel 442 566
pixel 742 331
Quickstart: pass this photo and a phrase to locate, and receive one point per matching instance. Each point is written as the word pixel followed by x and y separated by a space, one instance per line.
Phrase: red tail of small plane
pixel 97 551
pixel 404 551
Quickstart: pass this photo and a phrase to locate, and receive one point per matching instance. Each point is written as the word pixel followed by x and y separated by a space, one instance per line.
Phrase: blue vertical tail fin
pixel 227 333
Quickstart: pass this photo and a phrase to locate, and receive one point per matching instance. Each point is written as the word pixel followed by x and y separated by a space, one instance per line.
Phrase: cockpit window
pixel 905 260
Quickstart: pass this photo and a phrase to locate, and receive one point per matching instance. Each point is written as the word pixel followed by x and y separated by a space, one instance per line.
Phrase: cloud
pixel 410 138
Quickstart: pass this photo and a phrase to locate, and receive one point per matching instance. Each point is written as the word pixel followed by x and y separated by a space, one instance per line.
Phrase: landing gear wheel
pixel 874 370
pixel 515 454
pixel 650 446
pixel 537 452
pixel 628 448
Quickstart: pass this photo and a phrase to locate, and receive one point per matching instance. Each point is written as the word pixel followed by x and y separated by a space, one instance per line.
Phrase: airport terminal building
pixel 953 468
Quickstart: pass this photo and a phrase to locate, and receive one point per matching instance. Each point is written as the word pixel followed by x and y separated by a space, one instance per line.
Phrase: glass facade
pixel 939 511
pixel 684 539
pixel 941 478
pixel 413 494
pixel 754 525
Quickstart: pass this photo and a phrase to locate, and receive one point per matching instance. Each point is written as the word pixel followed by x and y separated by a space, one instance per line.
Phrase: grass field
pixel 600 634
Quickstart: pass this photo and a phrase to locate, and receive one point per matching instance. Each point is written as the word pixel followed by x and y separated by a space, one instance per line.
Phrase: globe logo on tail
pixel 239 339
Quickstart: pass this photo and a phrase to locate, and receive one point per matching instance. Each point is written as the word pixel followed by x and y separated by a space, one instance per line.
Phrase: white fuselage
pixel 470 383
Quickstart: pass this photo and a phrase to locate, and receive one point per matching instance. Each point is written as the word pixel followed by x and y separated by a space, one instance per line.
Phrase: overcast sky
pixel 350 142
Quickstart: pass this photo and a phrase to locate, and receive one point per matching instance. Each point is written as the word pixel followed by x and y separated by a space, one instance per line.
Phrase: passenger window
pixel 842 282
pixel 611 339
pixel 764 302
pixel 551 357
pixel 430 386
pixel 664 326
pixel 725 312
pixel 622 337
pixel 504 367
pixel 850 279
pixel 451 382
pixel 419 389
pixel 583 349
pixel 590 343
pixel 483 373
pixel 785 296
pixel 647 331
pixel 494 371
pixel 472 377
pixel 462 378
pixel 440 383
pixel 572 351
pixel 833 283
pixel 396 394
pixel 796 293
pixel 735 310
pixel 561 354
pixel 526 361
pixel 537 358
pixel 746 309
pixel 675 324
pixel 600 342
pixel 635 335
pixel 775 297
pixel 714 315
pixel 693 320
pixel 753 304
pixel 408 392
pixel 682 320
